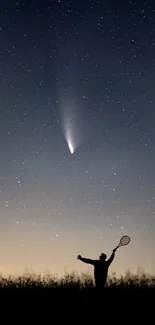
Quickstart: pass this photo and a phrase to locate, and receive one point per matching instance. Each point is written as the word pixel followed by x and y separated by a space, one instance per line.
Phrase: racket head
pixel 125 240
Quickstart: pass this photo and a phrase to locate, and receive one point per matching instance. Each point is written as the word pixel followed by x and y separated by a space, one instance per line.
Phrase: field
pixel 50 296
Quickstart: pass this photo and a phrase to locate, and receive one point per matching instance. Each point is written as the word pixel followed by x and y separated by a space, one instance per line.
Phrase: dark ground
pixel 28 300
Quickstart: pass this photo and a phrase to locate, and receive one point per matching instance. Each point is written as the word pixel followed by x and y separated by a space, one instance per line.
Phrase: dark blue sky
pixel 80 74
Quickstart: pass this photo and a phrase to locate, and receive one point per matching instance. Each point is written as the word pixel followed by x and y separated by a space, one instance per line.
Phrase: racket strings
pixel 124 240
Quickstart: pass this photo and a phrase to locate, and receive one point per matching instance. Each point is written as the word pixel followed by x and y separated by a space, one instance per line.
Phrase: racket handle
pixel 115 249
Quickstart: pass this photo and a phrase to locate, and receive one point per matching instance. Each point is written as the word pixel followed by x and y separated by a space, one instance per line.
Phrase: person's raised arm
pixel 86 260
pixel 111 257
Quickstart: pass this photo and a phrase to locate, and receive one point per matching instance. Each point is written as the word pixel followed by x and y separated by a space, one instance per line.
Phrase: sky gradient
pixel 76 76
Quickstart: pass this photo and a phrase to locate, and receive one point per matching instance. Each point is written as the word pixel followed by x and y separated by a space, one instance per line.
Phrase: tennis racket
pixel 125 240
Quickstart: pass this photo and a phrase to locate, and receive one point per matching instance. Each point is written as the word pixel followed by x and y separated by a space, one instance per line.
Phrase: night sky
pixel 77 134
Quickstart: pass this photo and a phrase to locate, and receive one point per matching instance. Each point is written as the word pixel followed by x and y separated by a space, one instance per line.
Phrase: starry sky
pixel 77 121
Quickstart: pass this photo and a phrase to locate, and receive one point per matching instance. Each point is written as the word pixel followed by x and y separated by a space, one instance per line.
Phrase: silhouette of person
pixel 100 268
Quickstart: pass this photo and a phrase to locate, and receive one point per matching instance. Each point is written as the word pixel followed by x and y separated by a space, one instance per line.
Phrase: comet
pixel 70 146
pixel 69 123
pixel 69 140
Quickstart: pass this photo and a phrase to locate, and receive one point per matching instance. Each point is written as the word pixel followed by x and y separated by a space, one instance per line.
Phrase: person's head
pixel 102 257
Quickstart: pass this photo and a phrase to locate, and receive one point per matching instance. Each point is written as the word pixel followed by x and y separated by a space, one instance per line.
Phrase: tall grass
pixel 46 296
pixel 74 281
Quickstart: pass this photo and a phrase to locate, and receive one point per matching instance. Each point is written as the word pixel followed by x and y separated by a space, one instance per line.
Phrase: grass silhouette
pixel 74 282
pixel 43 295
